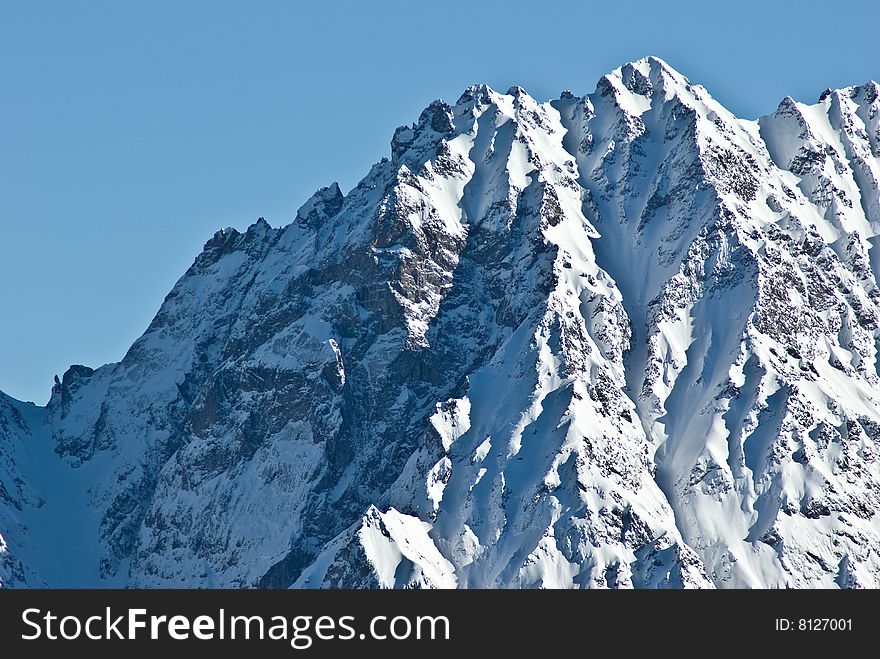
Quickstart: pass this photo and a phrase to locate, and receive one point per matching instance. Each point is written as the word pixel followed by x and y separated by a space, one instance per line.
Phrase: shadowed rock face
pixel 624 340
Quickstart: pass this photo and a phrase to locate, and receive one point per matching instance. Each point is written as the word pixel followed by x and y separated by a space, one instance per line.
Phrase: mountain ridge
pixel 619 340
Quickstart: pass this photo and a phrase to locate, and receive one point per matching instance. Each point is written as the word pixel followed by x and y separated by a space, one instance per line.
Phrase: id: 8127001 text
pixel 814 624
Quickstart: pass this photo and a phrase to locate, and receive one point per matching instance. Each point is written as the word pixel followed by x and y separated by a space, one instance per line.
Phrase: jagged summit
pixel 624 339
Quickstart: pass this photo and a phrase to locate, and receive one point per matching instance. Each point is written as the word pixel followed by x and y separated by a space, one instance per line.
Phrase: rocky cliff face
pixel 623 340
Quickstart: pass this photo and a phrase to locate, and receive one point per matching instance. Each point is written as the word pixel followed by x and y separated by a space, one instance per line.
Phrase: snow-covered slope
pixel 623 340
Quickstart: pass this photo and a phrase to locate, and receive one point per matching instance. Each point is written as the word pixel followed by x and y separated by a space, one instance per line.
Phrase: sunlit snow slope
pixel 623 340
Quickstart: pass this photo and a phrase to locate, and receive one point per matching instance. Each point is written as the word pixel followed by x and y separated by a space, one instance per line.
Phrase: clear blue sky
pixel 131 131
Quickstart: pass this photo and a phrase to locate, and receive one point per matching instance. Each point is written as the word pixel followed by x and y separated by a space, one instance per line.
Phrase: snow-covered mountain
pixel 622 340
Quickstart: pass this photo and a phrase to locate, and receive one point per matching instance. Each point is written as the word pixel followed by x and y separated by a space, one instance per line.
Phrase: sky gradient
pixel 131 131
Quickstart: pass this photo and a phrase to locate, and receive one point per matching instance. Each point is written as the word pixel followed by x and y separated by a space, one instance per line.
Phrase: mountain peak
pixel 627 340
